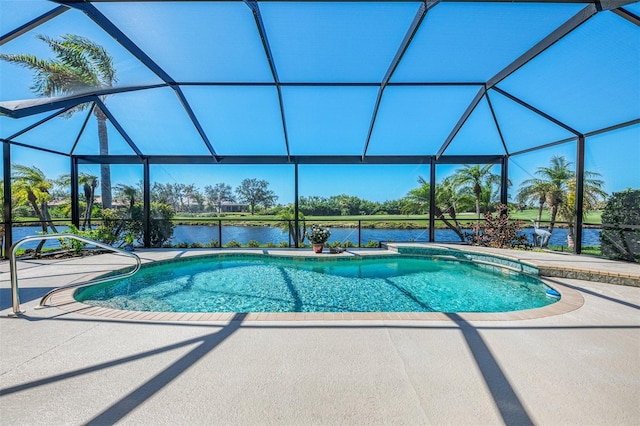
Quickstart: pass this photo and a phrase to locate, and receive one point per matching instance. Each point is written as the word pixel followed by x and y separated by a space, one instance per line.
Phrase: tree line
pixel 189 199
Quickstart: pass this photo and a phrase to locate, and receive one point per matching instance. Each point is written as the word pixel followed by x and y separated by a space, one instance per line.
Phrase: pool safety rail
pixel 15 297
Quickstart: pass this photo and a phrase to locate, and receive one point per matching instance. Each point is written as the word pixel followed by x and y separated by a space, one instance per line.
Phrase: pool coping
pixel 570 300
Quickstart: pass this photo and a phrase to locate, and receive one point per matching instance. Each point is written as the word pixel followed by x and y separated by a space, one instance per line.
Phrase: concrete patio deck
pixel 578 367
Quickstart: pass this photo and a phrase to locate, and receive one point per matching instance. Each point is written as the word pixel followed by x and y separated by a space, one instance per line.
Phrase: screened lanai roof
pixel 357 79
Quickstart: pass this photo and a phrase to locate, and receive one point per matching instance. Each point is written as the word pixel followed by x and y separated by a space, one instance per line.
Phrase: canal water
pixel 264 234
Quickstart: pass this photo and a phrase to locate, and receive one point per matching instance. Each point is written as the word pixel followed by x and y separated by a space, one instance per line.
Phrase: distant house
pixel 232 207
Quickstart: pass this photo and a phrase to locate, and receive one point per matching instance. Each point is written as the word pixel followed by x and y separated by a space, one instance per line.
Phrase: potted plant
pixel 128 242
pixel 318 236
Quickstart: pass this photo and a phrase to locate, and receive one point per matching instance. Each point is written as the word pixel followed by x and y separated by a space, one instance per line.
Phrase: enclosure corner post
pixel 296 208
pixel 8 226
pixel 146 195
pixel 432 200
pixel 504 180
pixel 75 198
pixel 579 195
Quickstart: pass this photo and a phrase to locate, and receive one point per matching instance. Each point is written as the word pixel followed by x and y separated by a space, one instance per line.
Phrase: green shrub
pixel 213 244
pixel 73 245
pixel 196 245
pixel 270 244
pixel 161 226
pixel 233 244
pixel 182 244
pixel 372 244
pixel 253 244
pixel 283 244
pixel 617 240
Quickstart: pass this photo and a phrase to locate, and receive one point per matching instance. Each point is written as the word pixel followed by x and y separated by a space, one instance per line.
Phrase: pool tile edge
pixel 570 300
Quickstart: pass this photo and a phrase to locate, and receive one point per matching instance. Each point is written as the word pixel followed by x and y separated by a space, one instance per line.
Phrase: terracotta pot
pixel 317 248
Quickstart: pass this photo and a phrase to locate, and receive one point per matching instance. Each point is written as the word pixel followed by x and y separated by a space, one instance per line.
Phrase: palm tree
pixel 534 190
pixel 448 200
pixel 557 177
pixel 593 194
pixel 80 65
pixel 31 187
pixel 558 182
pixel 297 235
pixel 417 200
pixel 472 179
pixel 127 194
pixel 89 184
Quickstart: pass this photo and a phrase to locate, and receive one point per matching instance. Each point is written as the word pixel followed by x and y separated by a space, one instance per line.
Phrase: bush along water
pixel 620 235
pixel 498 231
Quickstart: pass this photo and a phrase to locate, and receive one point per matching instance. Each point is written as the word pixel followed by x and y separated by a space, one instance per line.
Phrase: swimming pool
pixel 262 283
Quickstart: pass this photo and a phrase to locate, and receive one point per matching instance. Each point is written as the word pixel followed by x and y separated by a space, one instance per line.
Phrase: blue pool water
pixel 253 283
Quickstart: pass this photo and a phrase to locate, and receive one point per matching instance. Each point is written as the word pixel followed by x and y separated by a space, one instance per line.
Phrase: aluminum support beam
pixel 504 181
pixel 465 116
pixel 128 44
pixel 369 1
pixel 103 22
pixel 570 25
pixel 75 196
pixel 612 4
pixel 32 24
pixel 36 148
pixel 612 128
pixel 25 108
pixel 495 121
pixel 39 122
pixel 537 111
pixel 432 201
pixel 296 207
pixel 579 207
pixel 194 120
pixel 283 159
pixel 6 211
pixel 408 37
pixel 257 16
pixel 81 132
pixel 631 17
pixel 118 127
pixel 146 200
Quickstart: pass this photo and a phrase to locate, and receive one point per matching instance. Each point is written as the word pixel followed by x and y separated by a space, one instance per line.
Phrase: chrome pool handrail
pixel 15 297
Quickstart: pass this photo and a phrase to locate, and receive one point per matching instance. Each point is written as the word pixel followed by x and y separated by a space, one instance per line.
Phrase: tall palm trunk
pixel 455 227
pixel 541 202
pixel 89 195
pixel 44 207
pixel 477 190
pixel 553 215
pixel 105 169
pixel 45 219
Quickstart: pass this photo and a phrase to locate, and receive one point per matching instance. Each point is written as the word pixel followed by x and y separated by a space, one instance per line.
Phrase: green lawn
pixel 529 214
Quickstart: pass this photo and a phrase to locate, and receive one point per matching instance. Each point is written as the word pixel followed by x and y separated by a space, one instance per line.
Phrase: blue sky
pixel 345 42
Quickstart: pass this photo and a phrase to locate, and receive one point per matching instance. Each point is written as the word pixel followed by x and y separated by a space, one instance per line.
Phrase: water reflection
pixel 264 234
